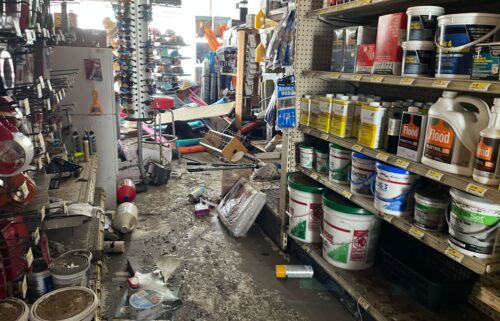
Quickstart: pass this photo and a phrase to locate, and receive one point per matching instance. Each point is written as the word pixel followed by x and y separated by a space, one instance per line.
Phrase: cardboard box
pixel 486 61
pixel 355 36
pixel 338 50
pixel 391 33
pixel 365 59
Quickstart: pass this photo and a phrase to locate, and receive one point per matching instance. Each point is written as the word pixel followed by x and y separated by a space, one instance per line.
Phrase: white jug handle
pixel 484 110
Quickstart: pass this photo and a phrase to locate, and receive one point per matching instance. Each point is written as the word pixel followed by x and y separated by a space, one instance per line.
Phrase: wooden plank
pixel 240 77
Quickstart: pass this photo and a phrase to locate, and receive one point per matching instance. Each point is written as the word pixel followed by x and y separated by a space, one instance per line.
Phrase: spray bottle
pixel 487 160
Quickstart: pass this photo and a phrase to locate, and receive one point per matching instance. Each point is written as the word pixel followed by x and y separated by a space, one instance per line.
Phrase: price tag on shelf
pixel 476 189
pixel 42 213
pixel 387 217
pixel 402 163
pixel 29 257
pixel 346 194
pixel 454 254
pixel 439 83
pixel 324 136
pixel 314 176
pixel 335 75
pixel 407 81
pixel 416 232
pixel 356 77
pixel 357 148
pixel 377 79
pixel 480 86
pixel 383 156
pixel 26 105
pixel 435 175
pixel 363 303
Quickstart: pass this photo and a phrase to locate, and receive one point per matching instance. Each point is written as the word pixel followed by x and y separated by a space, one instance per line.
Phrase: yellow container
pixel 372 127
pixel 341 118
pixel 325 111
pixel 305 110
pixel 356 121
pixel 314 114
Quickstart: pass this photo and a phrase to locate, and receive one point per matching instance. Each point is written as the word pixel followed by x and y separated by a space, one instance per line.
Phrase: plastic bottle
pixel 77 143
pixel 453 133
pixel 393 127
pixel 93 143
pixel 487 160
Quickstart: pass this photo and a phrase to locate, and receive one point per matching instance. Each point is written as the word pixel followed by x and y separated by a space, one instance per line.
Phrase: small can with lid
pixel 431 208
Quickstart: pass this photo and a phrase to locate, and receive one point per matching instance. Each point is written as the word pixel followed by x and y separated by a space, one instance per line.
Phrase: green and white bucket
pixel 306 156
pixel 321 161
pixel 473 225
pixel 431 208
pixel 304 208
pixel 340 161
pixel 350 233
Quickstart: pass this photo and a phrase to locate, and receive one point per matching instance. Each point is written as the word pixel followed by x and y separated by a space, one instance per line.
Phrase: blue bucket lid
pixel 362 156
pixel 393 169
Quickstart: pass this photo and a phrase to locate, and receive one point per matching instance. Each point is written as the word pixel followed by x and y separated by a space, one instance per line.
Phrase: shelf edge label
pixel 416 232
pixel 476 189
pixel 439 83
pixel 434 175
pixel 407 81
pixel 454 254
pixel 480 86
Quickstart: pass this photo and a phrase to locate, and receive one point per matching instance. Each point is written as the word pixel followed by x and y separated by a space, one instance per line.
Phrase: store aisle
pixel 221 278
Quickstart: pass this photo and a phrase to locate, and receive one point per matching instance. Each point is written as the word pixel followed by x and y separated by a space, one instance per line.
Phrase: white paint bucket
pixel 419 58
pixel 68 304
pixel 340 160
pixel 455 37
pixel 306 156
pixel 145 305
pixel 350 233
pixel 321 161
pixel 394 189
pixel 431 209
pixel 362 174
pixel 304 208
pixel 39 280
pixel 69 271
pixel 422 22
pixel 16 309
pixel 473 225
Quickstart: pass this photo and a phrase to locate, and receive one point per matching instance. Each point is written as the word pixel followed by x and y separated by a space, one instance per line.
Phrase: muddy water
pixel 10 311
pixel 64 305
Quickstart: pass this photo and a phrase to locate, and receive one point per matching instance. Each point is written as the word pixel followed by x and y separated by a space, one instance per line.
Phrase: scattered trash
pixel 195 195
pixel 115 247
pixel 294 271
pixel 145 305
pixel 126 217
pixel 125 192
pixel 201 209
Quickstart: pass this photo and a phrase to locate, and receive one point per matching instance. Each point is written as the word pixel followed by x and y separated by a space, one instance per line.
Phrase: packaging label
pixel 422 27
pixel 487 155
pixel 325 111
pixel 429 217
pixel 458 62
pixel 409 135
pixel 366 56
pixel 439 141
pixel 372 126
pixel 338 49
pixel 418 62
pixel 305 109
pixel 341 118
pixel 486 63
pixel 359 245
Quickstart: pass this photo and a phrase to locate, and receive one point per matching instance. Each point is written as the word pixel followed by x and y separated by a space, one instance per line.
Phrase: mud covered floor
pixel 221 278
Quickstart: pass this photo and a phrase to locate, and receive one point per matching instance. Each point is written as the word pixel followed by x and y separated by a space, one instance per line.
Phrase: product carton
pixel 366 57
pixel 391 33
pixel 355 36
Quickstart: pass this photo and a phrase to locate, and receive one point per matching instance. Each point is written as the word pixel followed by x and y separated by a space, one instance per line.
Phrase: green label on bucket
pixel 472 216
pixel 299 230
pixel 339 253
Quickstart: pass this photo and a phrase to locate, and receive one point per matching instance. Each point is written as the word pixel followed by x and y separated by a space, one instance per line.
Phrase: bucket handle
pixel 467 45
pixel 294 216
pixel 486 230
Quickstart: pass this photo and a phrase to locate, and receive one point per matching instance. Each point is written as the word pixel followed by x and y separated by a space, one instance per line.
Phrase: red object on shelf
pixel 14 237
pixel 191 149
pixel 163 102
pixel 125 192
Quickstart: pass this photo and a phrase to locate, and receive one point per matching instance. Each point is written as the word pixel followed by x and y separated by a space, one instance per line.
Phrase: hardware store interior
pixel 191 160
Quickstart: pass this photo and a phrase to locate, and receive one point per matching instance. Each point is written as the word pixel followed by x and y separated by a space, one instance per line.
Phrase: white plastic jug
pixel 453 133
pixel 126 217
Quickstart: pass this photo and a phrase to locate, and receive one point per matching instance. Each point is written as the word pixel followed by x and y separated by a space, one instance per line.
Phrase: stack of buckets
pixel 349 233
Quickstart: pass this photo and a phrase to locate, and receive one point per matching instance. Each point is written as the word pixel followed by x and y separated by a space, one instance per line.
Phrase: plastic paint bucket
pixel 321 161
pixel 419 58
pixel 422 22
pixel 39 280
pixel 340 160
pixel 431 209
pixel 394 189
pixel 304 208
pixel 350 233
pixel 306 156
pixel 362 174
pixel 145 305
pixel 69 271
pixel 14 310
pixel 455 37
pixel 68 304
pixel 473 225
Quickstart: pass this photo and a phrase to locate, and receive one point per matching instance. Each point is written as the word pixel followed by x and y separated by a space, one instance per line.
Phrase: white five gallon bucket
pixel 16 309
pixel 455 37
pixel 362 174
pixel 69 270
pixel 394 189
pixel 431 209
pixel 321 161
pixel 422 22
pixel 306 156
pixel 340 160
pixel 350 233
pixel 304 208
pixel 473 225
pixel 68 304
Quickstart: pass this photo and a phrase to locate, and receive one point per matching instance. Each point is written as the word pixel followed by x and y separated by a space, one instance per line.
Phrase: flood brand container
pixel 12 309
pixel 350 233
pixel 321 161
pixel 456 35
pixel 431 208
pixel 422 22
pixel 306 156
pixel 419 58
pixel 394 189
pixel 340 161
pixel 304 208
pixel 69 271
pixel 362 174
pixel 473 225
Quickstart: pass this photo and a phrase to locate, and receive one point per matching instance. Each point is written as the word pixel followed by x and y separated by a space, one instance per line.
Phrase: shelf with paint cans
pixel 463 183
pixel 436 240
pixel 465 85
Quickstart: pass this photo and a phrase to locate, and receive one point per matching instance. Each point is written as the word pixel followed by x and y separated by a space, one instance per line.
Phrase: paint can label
pixel 418 62
pixel 422 27
pixel 486 163
pixel 339 165
pixel 429 217
pixel 486 64
pixel 439 142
